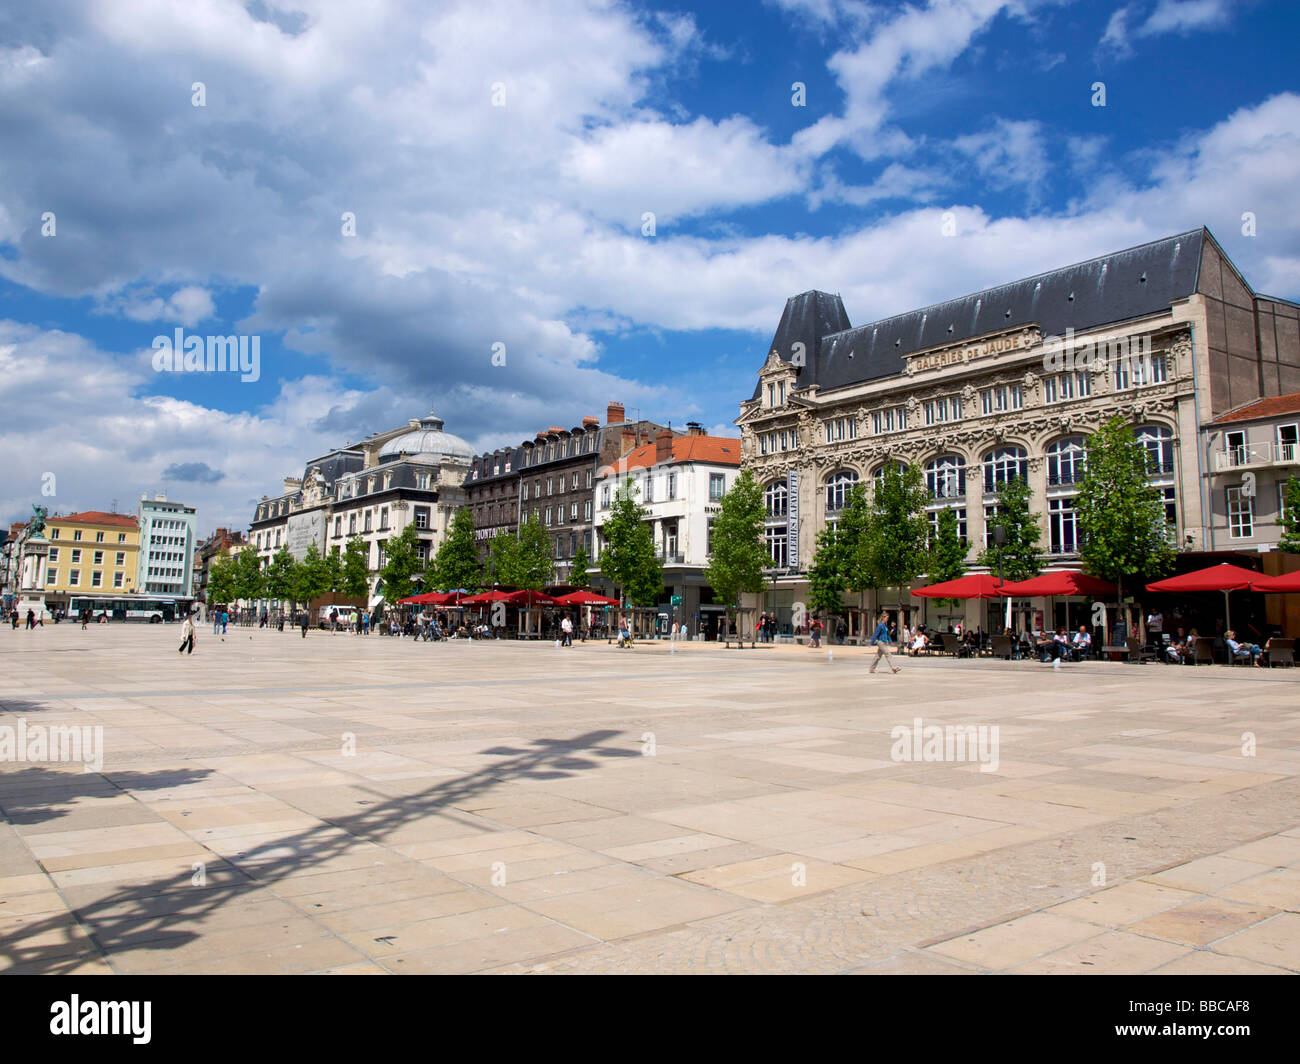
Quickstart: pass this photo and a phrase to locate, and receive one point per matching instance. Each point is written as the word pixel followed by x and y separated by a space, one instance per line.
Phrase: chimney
pixel 694 428
pixel 629 439
pixel 663 445
pixel 613 413
pixel 590 422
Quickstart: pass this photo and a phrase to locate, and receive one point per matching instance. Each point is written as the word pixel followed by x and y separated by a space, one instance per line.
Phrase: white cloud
pixel 186 306
pixel 1186 16
pixel 1011 153
pixel 1116 38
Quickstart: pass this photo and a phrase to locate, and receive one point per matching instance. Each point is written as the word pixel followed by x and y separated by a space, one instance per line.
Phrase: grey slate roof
pixel 1112 288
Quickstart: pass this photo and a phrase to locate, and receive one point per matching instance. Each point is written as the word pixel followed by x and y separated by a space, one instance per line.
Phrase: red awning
pixel 1222 577
pixel 1289 582
pixel 530 598
pixel 976 586
pixel 484 597
pixel 585 598
pixel 1060 583
pixel 429 597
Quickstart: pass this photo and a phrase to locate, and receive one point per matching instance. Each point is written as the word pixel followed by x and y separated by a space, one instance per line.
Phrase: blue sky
pixel 500 158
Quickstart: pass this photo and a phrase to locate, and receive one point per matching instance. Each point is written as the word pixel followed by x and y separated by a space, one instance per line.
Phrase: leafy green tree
pixel 897 530
pixel 523 558
pixel 309 577
pixel 356 569
pixel 221 580
pixel 948 551
pixel 1121 516
pixel 579 574
pixel 249 576
pixel 331 567
pixel 628 558
pixel 1021 558
pixel 457 563
pixel 280 581
pixel 738 555
pixel 826 576
pixel 1290 518
pixel 401 563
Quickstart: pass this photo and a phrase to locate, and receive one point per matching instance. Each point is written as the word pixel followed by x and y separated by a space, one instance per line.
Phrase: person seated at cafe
pixel 1242 650
pixel 1176 650
pixel 1081 644
pixel 919 641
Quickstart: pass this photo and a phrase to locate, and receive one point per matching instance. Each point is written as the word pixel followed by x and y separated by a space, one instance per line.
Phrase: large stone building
pixel 1008 382
pixel 414 474
pixel 551 477
pixel 91 551
pixel 680 482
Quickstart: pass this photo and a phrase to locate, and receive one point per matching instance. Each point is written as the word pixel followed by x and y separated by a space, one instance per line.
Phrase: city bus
pixel 152 608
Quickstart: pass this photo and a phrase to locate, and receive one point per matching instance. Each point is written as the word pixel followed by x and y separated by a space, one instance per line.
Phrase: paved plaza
pixel 357 804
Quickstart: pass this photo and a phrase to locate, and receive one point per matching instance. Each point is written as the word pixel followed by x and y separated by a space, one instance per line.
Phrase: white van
pixel 347 616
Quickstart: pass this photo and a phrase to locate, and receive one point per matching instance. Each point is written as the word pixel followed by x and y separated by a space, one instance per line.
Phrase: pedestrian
pixel 31 619
pixel 566 626
pixel 880 640
pixel 815 631
pixel 305 621
pixel 216 621
pixel 187 637
pixel 225 620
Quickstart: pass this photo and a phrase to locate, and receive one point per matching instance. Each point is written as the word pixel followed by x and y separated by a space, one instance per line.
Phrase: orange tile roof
pixel 97 517
pixel 1274 406
pixel 719 450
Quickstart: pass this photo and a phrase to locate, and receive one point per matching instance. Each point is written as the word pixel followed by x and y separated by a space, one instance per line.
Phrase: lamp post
pixel 999 541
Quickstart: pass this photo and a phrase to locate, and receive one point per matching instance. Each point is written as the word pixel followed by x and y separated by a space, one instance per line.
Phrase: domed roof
pixel 428 439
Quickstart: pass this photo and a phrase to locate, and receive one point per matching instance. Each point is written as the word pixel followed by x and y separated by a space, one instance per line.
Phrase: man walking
pixel 566 626
pixel 305 620
pixel 187 637
pixel 880 640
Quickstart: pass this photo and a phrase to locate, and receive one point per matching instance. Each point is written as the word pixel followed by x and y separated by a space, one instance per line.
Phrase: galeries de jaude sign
pixel 992 345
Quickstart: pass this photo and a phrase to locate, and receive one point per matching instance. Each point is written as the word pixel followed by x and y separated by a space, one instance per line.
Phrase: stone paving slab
pixel 368 805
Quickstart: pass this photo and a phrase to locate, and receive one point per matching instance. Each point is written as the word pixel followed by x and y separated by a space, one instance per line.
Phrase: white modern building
pixel 167 538
pixel 680 482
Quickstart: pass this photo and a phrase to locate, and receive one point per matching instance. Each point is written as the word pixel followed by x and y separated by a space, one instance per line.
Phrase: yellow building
pixel 91 552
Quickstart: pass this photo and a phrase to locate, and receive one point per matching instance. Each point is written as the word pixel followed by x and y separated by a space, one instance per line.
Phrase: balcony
pixel 1257 456
pixel 671 558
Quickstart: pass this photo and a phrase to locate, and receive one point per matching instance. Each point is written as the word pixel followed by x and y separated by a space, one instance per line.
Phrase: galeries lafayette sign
pixel 996 345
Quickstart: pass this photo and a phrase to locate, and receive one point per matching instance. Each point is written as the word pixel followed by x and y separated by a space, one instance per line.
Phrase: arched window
pixel 1066 460
pixel 878 477
pixel 945 477
pixel 775 498
pixel 837 489
pixel 1158 442
pixel 1002 464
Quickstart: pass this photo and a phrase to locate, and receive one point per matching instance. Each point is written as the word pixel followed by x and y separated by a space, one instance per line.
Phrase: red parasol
pixel 1063 582
pixel 976 586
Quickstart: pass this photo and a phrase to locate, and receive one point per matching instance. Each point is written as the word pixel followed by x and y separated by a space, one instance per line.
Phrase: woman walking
pixel 187 637
pixel 880 640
